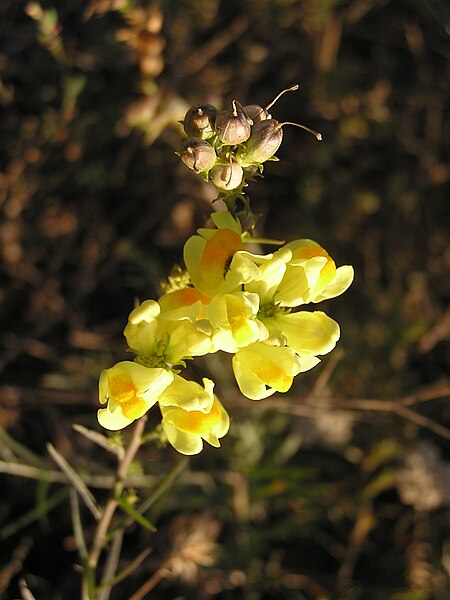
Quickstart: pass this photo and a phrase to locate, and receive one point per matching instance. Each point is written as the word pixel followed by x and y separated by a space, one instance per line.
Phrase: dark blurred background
pixel 339 489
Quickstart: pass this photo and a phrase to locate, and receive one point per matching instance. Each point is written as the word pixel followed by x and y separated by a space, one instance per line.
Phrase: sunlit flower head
pixel 186 430
pixel 166 338
pixel 311 275
pixel 130 390
pixel 262 369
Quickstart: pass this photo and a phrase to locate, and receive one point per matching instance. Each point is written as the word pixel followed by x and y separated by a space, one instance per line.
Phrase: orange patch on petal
pixel 123 391
pixel 196 421
pixel 328 271
pixel 236 316
pixel 184 297
pixel 272 375
pixel 217 255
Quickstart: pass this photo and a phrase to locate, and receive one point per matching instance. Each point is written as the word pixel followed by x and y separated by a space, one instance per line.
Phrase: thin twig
pixel 20 450
pixel 111 505
pixel 112 561
pixel 51 476
pixel 76 481
pixel 25 590
pixel 399 407
pixel 130 568
pixel 150 584
pixel 99 439
pixel 324 377
pixel 15 564
pixel 362 526
pixel 77 525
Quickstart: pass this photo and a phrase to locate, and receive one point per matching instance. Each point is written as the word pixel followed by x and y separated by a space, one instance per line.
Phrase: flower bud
pixel 233 126
pixel 199 121
pixel 198 155
pixel 226 176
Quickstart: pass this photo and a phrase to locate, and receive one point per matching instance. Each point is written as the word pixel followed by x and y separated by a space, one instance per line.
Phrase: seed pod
pixel 199 121
pixel 233 126
pixel 256 113
pixel 198 155
pixel 265 140
pixel 226 176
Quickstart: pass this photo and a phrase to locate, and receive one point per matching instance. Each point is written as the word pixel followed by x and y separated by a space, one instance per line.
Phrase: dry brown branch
pixel 112 504
pixel 198 59
pixel 15 564
pixel 399 407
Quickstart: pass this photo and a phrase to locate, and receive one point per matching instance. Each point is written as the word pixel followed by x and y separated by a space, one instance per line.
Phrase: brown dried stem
pixel 110 508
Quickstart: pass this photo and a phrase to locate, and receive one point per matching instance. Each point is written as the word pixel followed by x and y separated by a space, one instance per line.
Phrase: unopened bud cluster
pixel 227 147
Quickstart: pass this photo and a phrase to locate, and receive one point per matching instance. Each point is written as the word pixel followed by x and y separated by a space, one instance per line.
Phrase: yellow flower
pixel 188 395
pixel 130 390
pixel 308 333
pixel 209 259
pixel 311 275
pixel 216 259
pixel 270 275
pixel 186 430
pixel 262 369
pixel 233 320
pixel 166 337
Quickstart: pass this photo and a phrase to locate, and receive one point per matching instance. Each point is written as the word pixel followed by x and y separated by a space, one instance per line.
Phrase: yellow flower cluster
pixel 237 302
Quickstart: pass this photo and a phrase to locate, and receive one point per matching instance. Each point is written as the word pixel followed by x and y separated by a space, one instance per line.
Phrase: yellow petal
pixel 188 395
pixel 308 332
pixel 217 255
pixel 337 286
pixel 195 421
pixel 261 369
pixel 183 442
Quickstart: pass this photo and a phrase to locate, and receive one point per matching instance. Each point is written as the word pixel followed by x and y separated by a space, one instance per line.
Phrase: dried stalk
pixel 110 508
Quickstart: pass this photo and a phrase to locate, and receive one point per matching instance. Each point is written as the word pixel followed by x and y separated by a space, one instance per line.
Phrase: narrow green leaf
pixel 162 487
pixel 128 570
pixel 127 507
pixel 384 481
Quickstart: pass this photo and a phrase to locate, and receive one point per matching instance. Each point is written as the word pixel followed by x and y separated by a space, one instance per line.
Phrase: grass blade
pixel 76 481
